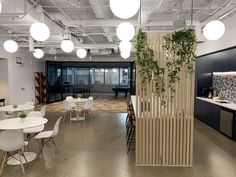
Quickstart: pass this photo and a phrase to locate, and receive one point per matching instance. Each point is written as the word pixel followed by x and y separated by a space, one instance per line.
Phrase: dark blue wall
pixel 221 61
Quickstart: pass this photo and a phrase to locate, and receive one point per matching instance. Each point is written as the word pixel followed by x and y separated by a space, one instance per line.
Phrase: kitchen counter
pixel 229 105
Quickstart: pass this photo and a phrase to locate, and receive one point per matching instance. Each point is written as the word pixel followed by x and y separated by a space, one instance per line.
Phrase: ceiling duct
pixel 180 21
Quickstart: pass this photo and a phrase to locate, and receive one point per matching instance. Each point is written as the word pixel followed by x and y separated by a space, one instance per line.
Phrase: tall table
pixel 20 124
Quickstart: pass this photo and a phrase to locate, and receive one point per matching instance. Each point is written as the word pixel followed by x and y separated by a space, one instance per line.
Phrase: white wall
pixel 226 41
pixel 20 77
pixel 4 84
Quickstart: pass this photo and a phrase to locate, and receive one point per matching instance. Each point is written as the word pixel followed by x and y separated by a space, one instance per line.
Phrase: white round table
pixel 20 124
pixel 22 107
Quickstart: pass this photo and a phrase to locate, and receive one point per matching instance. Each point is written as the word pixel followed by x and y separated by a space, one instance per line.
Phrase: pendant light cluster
pixel 214 30
pixel 125 31
pixel 40 32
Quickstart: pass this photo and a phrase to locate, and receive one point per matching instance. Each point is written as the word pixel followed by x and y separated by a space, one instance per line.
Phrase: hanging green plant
pixel 149 68
pixel 182 45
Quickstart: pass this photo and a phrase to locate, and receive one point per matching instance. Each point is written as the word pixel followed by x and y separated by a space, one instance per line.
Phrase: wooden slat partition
pixel 164 133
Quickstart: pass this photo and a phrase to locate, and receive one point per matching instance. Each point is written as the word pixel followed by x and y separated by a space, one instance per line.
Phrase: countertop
pixel 231 106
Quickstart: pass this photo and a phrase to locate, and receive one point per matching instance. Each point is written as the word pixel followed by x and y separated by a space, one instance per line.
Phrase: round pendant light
pixel 0 6
pixel 81 53
pixel 125 31
pixel 125 54
pixel 39 31
pixel 124 8
pixel 125 46
pixel 38 53
pixel 10 46
pixel 214 30
pixel 67 45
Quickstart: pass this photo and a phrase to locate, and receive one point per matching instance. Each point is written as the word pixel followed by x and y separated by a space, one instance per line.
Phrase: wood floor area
pixel 99 150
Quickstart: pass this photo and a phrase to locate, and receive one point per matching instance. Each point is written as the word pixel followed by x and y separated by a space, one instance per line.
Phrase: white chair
pixel 87 108
pixel 31 131
pixel 69 109
pixel 30 103
pixel 47 137
pixel 11 143
pixel 43 110
pixel 71 101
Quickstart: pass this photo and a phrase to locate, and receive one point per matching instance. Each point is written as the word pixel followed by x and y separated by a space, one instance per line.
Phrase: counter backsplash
pixel 225 85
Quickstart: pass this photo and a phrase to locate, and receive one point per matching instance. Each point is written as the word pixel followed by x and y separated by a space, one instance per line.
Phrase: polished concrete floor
pixel 99 150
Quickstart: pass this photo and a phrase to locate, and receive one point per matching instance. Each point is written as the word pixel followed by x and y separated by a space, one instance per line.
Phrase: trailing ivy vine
pixel 149 68
pixel 182 46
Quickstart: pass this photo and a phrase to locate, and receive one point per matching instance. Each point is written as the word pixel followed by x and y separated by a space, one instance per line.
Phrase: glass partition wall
pixel 64 79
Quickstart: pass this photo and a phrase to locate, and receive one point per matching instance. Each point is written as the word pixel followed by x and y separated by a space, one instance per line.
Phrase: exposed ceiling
pixel 92 23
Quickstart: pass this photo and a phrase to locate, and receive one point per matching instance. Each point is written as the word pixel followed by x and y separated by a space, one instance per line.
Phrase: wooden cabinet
pixel 40 87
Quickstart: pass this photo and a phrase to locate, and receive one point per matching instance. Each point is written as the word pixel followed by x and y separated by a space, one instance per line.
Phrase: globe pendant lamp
pixel 125 54
pixel 125 31
pixel 67 45
pixel 124 9
pixel 214 30
pixel 81 53
pixel 38 53
pixel 10 46
pixel 39 31
pixel 125 46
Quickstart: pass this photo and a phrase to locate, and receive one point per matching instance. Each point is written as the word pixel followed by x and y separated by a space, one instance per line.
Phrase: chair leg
pixel 55 144
pixel 22 153
pixel 21 163
pixel 41 145
pixel 51 144
pixel 70 117
pixel 3 162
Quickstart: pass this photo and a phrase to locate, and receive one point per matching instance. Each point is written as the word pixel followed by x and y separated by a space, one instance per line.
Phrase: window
pixel 112 76
pixel 81 76
pixel 97 76
pixel 124 76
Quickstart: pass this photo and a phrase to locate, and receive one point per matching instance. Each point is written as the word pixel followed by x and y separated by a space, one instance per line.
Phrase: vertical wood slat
pixel 164 134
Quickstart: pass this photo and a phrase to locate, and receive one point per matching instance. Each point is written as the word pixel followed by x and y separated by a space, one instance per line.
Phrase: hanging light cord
pixel 192 13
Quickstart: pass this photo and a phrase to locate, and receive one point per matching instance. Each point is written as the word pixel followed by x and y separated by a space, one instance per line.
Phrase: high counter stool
pixel 131 135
